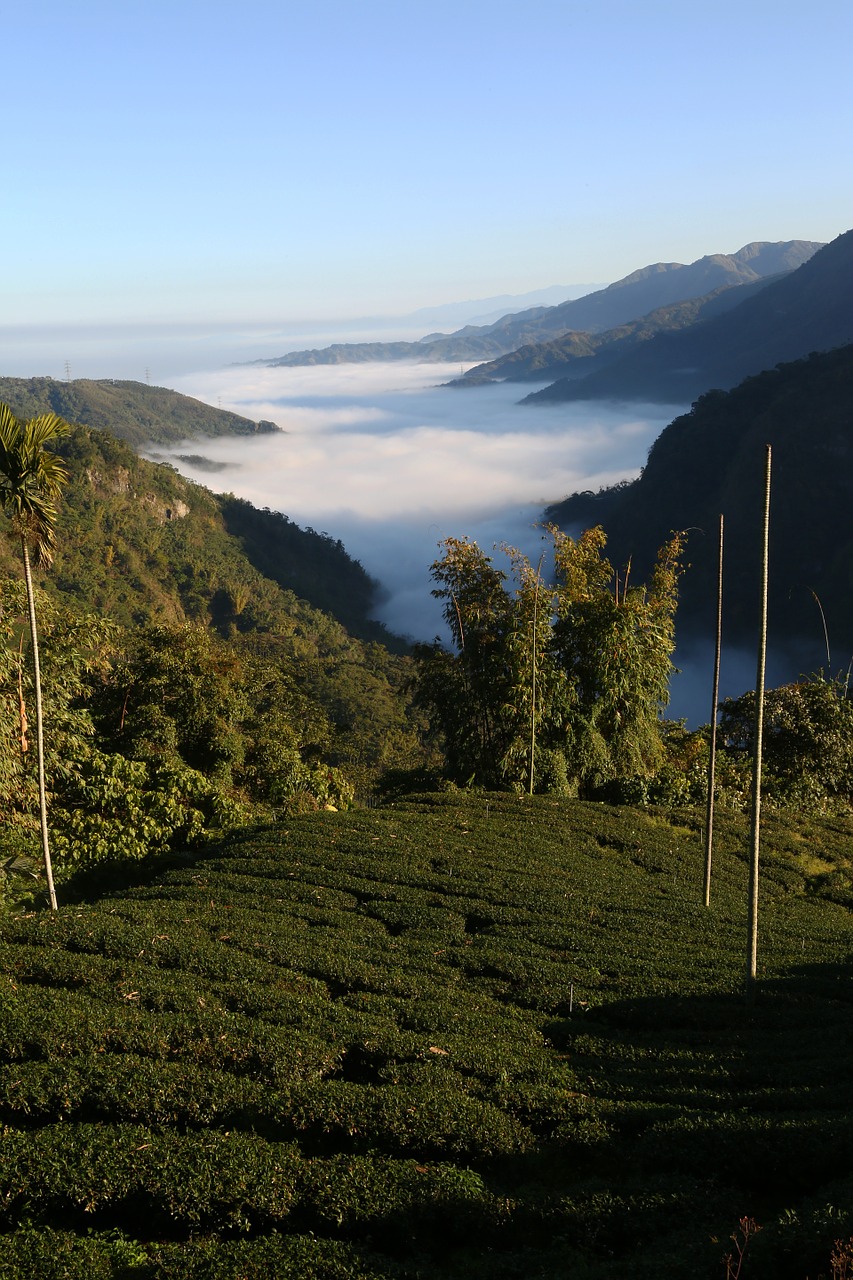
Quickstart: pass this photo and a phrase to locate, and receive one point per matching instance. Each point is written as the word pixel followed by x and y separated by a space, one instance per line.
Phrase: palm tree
pixel 31 478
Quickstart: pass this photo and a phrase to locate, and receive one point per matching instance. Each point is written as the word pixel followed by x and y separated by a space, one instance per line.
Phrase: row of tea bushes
pixel 460 1036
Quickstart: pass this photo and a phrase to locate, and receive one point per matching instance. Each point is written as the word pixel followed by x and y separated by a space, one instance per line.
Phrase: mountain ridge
pixel 810 309
pixel 575 354
pixel 710 461
pixel 132 411
pixel 625 300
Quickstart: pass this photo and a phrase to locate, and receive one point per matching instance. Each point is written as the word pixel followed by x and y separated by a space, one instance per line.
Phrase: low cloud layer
pixel 390 462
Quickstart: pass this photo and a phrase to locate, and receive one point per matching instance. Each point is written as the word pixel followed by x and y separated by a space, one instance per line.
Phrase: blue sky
pixel 270 161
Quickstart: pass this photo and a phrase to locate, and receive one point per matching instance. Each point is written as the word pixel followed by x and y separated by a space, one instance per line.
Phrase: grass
pixel 461 1036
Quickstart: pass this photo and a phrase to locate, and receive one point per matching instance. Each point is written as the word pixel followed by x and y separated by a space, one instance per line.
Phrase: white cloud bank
pixel 382 457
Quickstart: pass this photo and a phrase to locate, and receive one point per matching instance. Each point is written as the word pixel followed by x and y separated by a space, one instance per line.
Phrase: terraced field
pixel 458 1037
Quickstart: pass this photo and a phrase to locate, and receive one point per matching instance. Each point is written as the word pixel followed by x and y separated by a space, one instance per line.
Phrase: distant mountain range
pixel 810 309
pixel 132 411
pixel 646 290
pixel 576 354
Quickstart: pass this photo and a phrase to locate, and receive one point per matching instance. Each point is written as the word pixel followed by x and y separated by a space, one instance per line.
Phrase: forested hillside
pixel 132 411
pixel 710 461
pixel 137 542
pixel 198 671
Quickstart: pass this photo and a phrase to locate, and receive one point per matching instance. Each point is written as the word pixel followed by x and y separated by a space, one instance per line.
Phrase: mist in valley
pixel 388 461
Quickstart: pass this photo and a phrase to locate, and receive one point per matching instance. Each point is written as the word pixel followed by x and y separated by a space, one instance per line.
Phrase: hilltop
pixel 131 411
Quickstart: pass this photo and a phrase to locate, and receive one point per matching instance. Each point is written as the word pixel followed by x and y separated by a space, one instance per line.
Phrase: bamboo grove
pixel 557 683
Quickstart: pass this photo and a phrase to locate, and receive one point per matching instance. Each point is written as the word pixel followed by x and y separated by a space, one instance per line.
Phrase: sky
pixel 277 161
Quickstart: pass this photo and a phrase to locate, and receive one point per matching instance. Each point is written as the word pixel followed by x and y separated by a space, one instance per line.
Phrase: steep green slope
pixel 463 1037
pixel 133 411
pixel 141 546
pixel 711 460
pixel 138 542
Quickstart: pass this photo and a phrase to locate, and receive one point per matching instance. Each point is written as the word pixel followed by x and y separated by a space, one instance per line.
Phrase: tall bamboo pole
pixel 715 699
pixel 533 673
pixel 752 911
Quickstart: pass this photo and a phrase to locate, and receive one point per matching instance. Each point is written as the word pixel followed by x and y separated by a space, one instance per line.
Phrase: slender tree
pixel 715 698
pixel 31 478
pixel 533 675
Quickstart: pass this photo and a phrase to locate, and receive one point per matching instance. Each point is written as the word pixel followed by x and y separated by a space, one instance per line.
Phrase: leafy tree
pixel 31 478
pixel 180 699
pixel 470 692
pixel 577 669
pixel 807 743
pixel 614 641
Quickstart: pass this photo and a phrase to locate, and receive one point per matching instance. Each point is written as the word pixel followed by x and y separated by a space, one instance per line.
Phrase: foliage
pixel 133 411
pixel 481 1036
pixel 156 738
pixel 142 546
pixel 31 478
pixel 808 740
pixel 583 665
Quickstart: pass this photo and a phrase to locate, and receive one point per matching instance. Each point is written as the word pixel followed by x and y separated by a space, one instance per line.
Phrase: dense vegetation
pixel 132 411
pixel 474 1037
pixel 188 685
pixel 137 542
pixel 556 685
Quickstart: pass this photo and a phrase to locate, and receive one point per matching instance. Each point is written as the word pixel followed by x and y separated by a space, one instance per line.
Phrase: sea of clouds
pixel 387 460
pixel 380 456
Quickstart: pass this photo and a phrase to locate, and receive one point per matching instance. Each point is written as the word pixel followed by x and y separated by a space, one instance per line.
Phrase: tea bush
pixel 467 1035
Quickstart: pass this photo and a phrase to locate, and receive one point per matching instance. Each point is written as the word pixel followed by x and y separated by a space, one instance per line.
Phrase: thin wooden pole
pixel 715 699
pixel 533 681
pixel 752 910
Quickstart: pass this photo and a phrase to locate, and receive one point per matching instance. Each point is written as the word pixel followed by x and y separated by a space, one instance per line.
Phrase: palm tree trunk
pixel 48 868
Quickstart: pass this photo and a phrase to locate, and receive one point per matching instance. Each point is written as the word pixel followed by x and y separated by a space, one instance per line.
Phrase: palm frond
pixel 31 477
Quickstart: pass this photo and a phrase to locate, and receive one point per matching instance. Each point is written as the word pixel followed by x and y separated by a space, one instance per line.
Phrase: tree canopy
pixel 570 671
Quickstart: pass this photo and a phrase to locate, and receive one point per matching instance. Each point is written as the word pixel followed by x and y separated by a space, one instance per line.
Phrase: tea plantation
pixel 456 1038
